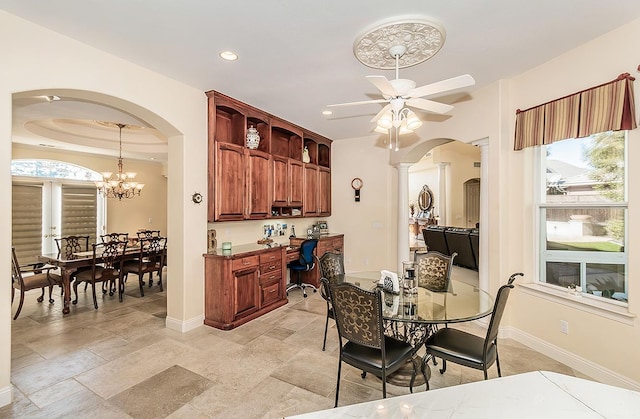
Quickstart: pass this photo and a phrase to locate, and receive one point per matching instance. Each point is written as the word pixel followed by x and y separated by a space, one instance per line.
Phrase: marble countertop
pixel 538 394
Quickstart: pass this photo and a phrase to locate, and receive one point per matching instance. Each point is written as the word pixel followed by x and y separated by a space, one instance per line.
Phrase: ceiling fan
pixel 400 93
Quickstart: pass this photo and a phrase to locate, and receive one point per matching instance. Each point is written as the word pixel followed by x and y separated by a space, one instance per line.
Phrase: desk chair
pixel 470 350
pixel 305 263
pixel 359 321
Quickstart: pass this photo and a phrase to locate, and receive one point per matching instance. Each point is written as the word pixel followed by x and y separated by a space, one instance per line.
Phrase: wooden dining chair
pixel 470 350
pixel 114 236
pixel 331 267
pixel 26 278
pixel 147 234
pixel 363 343
pixel 106 267
pixel 150 259
pixel 68 246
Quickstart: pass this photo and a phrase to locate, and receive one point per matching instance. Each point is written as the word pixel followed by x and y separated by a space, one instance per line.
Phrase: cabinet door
pixel 246 291
pixel 324 191
pixel 296 179
pixel 310 203
pixel 230 186
pixel 258 183
pixel 280 180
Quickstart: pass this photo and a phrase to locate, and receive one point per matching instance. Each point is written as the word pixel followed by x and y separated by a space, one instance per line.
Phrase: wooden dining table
pixel 412 315
pixel 69 264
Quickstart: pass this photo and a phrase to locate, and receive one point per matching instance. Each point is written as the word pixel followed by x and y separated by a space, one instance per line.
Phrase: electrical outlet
pixel 564 327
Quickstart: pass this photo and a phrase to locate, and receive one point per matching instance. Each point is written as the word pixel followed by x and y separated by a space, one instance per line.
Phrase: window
pixel 582 212
pixel 53 199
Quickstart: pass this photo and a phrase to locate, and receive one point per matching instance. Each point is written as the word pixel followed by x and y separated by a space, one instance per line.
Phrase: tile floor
pixel 121 362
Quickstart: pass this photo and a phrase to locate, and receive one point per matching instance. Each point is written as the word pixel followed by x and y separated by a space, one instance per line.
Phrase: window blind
pixel 79 211
pixel 27 222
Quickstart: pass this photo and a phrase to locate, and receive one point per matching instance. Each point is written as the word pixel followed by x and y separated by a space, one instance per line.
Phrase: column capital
pixel 481 143
pixel 402 165
pixel 444 164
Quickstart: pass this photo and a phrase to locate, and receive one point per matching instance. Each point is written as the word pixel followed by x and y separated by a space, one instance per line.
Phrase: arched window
pixel 53 199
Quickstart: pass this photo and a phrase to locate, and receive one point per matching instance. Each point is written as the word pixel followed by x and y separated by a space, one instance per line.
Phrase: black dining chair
pixel 470 350
pixel 306 262
pixel 106 267
pixel 363 343
pixel 433 270
pixel 331 267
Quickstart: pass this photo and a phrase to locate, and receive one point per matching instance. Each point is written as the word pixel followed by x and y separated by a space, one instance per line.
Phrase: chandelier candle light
pixel 121 185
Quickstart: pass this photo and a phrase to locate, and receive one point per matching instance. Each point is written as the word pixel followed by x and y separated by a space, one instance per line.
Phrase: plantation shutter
pixel 79 211
pixel 26 214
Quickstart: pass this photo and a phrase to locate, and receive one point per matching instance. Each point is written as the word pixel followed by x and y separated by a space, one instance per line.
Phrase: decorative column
pixel 483 260
pixel 442 192
pixel 403 213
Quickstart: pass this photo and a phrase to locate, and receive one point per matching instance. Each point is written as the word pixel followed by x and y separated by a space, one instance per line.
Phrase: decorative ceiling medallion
pixel 422 39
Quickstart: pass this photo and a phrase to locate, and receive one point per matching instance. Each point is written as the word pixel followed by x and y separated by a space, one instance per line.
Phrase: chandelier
pixel 396 121
pixel 119 185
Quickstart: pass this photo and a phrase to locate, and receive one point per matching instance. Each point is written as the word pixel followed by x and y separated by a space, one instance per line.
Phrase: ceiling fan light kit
pixel 399 44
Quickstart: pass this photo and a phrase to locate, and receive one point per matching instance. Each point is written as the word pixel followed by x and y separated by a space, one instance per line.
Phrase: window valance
pixel 607 107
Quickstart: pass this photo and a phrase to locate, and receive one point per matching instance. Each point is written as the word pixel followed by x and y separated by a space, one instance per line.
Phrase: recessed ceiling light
pixel 327 112
pixel 228 55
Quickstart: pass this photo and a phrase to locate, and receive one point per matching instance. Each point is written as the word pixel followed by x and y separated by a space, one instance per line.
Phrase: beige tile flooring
pixel 120 361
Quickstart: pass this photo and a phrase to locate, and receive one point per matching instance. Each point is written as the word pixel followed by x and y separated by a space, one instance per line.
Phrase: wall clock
pixel 357 184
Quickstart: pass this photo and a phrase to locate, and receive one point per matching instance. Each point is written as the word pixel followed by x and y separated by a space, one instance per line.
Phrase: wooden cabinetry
pixel 330 243
pixel 317 176
pixel 271 181
pixel 244 285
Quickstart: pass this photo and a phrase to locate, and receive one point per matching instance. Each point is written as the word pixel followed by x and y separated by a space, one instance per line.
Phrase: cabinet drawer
pixel 270 257
pixel 271 268
pixel 270 293
pixel 245 262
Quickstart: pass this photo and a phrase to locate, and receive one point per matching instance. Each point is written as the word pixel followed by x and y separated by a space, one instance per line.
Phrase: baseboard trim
pixel 184 326
pixel 584 366
pixel 6 395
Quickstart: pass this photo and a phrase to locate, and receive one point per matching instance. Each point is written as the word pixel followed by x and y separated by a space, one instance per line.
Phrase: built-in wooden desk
pixel 243 283
pixel 326 243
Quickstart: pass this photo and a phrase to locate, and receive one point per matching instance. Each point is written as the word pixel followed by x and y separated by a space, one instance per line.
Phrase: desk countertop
pixel 538 394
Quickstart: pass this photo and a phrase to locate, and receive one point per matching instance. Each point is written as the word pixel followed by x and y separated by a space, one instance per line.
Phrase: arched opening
pixel 71 130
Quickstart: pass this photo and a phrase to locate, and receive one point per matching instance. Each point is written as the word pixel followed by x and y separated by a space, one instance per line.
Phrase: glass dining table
pixel 413 314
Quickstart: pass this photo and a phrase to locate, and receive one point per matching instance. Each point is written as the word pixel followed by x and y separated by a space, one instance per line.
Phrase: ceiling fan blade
pixel 442 86
pixel 429 105
pixel 384 85
pixel 362 102
pixel 382 112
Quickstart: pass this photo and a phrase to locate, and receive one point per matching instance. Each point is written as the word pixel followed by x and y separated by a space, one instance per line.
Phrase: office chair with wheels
pixel 470 350
pixel 305 263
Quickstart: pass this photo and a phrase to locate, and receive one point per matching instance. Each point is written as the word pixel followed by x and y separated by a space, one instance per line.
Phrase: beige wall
pixel 176 110
pixel 126 216
pixel 461 157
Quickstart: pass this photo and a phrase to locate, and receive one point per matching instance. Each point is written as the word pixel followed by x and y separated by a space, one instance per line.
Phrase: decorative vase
pixel 253 138
pixel 305 155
